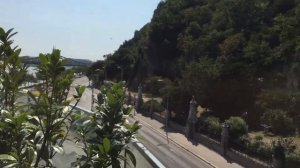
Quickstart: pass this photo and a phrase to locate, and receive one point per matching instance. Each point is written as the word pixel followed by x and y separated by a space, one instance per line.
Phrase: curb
pixel 176 143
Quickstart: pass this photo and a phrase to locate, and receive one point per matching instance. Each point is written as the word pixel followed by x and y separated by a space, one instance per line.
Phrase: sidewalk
pixel 199 150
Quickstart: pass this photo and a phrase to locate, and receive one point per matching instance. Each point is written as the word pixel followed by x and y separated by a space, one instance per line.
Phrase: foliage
pixel 107 133
pixel 156 85
pixel 213 127
pixel 223 52
pixel 206 70
pixel 237 127
pixel 279 99
pixel 280 122
pixel 80 69
pixel 13 128
pixel 12 71
pixel 48 111
pixel 258 148
pixel 288 145
pixel 35 132
pixel 177 100
pixel 156 106
pixel 98 65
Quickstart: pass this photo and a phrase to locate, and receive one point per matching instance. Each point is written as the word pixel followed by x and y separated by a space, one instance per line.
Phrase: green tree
pixel 36 131
pixel 48 109
pixel 13 130
pixel 107 133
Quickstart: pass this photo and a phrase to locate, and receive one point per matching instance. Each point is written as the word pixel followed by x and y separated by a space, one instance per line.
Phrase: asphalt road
pixel 169 154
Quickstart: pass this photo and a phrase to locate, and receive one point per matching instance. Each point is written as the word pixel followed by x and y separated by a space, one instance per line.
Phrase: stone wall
pixel 232 154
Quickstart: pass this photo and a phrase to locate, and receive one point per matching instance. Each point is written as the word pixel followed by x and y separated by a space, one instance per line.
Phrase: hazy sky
pixel 80 28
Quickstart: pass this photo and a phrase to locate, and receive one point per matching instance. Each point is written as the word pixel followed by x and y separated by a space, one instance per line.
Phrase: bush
pixel 279 99
pixel 178 103
pixel 156 106
pixel 213 127
pixel 280 122
pixel 237 127
pixel 156 85
pixel 256 147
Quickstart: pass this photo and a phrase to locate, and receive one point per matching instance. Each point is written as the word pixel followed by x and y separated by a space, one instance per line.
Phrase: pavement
pixel 200 151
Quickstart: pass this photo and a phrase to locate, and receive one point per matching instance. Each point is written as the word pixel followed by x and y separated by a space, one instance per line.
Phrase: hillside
pixel 232 55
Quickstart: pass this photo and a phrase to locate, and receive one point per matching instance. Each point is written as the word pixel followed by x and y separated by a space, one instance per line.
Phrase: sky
pixel 86 29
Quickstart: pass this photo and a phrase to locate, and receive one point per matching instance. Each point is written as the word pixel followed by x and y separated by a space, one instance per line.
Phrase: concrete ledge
pixel 86 111
pixel 154 162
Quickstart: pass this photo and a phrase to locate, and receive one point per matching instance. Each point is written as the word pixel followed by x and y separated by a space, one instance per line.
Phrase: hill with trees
pixel 234 56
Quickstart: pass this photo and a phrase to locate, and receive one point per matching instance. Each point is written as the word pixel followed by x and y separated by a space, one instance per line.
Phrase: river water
pixel 32 69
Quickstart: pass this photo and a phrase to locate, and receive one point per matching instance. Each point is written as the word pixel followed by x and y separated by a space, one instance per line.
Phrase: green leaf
pixel 106 144
pixel 7 157
pixel 101 149
pixel 11 165
pixel 57 120
pixel 39 134
pixel 2 32
pixel 58 149
pixel 43 59
pixel 31 154
pixel 80 89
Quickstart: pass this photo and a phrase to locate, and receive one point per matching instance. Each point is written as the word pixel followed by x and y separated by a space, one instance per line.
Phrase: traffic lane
pixel 170 154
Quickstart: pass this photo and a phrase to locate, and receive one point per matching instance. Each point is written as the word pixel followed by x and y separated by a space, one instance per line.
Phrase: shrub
pixel 156 106
pixel 270 99
pixel 213 127
pixel 279 99
pixel 280 122
pixel 237 127
pixel 156 85
pixel 258 148
pixel 178 102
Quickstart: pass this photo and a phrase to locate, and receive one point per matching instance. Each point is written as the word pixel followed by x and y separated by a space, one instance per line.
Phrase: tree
pixel 33 132
pixel 107 133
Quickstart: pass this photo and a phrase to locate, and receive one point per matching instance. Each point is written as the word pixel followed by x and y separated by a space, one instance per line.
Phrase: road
pixel 170 154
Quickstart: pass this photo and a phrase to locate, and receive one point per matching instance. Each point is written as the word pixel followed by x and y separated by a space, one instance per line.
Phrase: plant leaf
pixel 58 149
pixel 7 157
pixel 106 144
